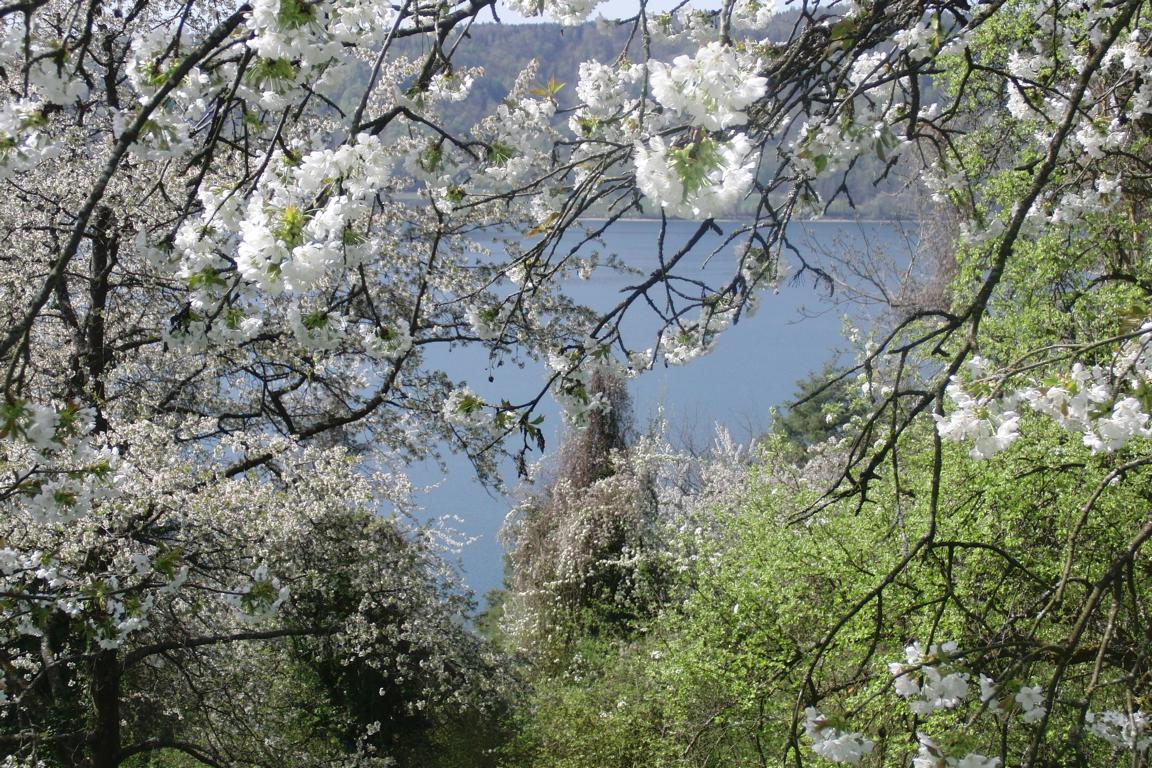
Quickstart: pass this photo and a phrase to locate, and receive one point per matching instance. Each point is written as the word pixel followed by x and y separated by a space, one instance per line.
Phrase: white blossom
pixel 1031 701
pixel 713 89
pixel 703 180
pixel 1124 730
pixel 23 142
pixel 832 743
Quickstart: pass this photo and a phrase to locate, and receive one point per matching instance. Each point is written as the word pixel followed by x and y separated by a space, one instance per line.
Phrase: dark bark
pixel 105 736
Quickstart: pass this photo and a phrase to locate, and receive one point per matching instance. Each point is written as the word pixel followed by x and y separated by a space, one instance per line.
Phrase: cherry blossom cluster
pixel 1129 731
pixel 51 74
pixel 990 425
pixel 926 685
pixel 466 409
pixel 700 180
pixel 260 598
pixel 1028 91
pixel 63 482
pixel 167 134
pixel 58 471
pixel 521 140
pixel 830 143
pixel 933 680
pixel 603 89
pixel 752 14
pixel 567 12
pixel 298 230
pixel 832 743
pixel 929 754
pixel 313 33
pixel 712 89
pixel 23 142
pixel 690 25
pixel 610 101
pixel 300 225
pixel 1106 404
pixel 705 175
pixel 685 342
pixel 574 373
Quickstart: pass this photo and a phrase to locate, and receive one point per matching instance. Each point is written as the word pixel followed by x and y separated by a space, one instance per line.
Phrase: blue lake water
pixel 754 366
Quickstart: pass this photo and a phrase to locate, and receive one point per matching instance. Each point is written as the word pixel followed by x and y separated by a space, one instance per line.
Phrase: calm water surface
pixel 754 366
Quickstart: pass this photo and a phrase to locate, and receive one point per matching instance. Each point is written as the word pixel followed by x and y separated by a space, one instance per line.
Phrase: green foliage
pixel 295 14
pixel 291 228
pixel 694 162
pixel 163 758
pixel 500 154
pixel 823 405
pixel 602 710
pixel 714 679
pixel 266 72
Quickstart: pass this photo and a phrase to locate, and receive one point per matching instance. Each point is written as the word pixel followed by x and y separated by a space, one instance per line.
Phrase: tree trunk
pixel 105 737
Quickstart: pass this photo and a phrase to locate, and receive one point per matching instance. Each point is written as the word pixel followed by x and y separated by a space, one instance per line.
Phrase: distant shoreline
pixel 651 219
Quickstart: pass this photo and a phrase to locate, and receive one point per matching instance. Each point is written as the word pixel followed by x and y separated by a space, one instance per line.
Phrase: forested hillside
pixel 503 52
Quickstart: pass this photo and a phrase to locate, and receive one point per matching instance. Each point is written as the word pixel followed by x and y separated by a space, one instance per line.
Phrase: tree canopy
pixel 239 241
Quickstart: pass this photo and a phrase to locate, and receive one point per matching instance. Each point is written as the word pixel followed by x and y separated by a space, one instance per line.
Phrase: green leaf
pixel 291 229
pixel 268 71
pixel 694 162
pixel 295 14
pixel 206 278
pixel 315 320
pixel 499 154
